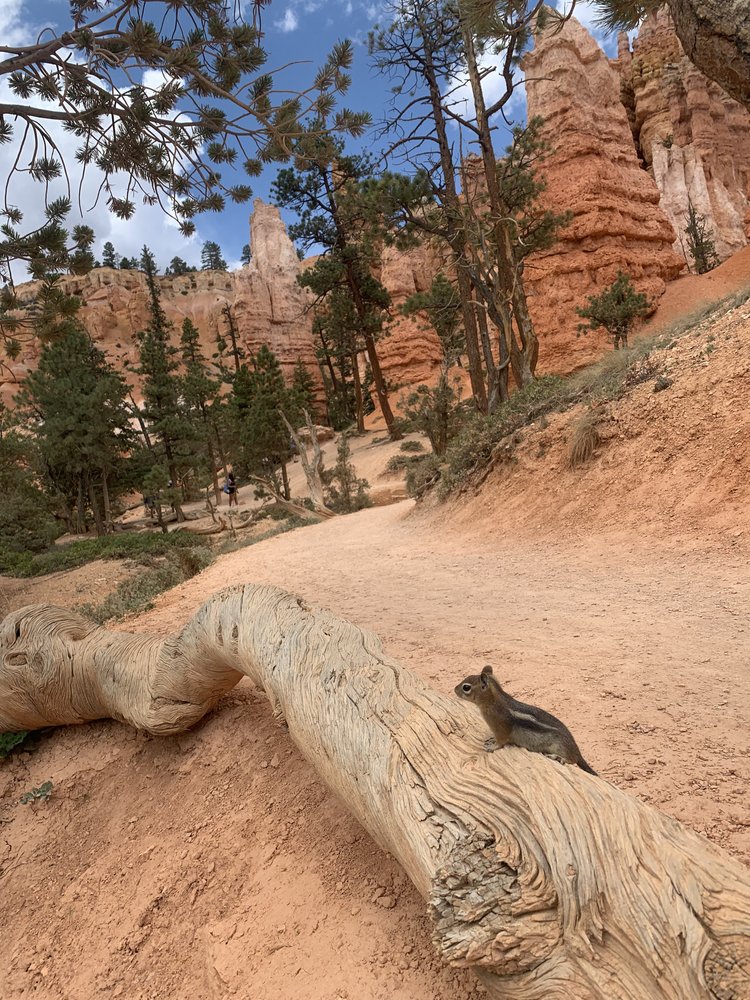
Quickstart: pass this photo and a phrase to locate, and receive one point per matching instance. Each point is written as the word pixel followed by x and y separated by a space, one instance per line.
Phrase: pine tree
pixel 178 267
pixel 264 439
pixel 442 305
pixel 211 258
pixel 200 392
pixel 238 354
pixel 26 519
pixel 300 396
pixel 464 202
pixel 75 402
pixel 245 255
pixel 161 386
pixel 109 255
pixel 338 352
pixel 616 309
pixel 701 244
pixel 324 188
pixel 345 492
pixel 164 107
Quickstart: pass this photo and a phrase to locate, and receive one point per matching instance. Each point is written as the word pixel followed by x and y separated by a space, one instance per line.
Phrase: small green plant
pixel 662 383
pixel 345 492
pixel 411 446
pixel 700 241
pixel 9 741
pixel 615 310
pixel 668 141
pixel 40 794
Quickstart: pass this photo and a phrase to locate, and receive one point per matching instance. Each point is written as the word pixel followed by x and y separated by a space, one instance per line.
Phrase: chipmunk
pixel 516 724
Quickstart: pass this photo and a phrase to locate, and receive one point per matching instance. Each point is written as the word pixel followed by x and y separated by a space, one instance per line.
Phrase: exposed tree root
pixel 546 881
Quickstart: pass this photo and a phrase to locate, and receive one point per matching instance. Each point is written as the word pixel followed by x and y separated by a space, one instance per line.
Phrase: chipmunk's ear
pixel 487 671
pixel 484 677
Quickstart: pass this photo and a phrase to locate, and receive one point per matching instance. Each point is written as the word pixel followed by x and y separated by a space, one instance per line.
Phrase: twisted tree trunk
pixel 546 881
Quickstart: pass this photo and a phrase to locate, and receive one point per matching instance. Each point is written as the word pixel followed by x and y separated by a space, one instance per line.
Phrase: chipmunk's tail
pixel 586 767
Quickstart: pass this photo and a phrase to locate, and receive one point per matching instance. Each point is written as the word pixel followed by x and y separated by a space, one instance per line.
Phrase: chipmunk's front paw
pixel 490 745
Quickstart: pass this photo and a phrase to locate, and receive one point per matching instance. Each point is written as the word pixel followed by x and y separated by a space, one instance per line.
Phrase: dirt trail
pixel 214 865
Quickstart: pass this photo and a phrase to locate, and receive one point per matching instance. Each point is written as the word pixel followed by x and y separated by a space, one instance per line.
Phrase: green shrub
pixel 411 446
pixel 9 741
pixel 423 475
pixel 136 594
pixel 118 546
pixel 400 463
pixel 436 411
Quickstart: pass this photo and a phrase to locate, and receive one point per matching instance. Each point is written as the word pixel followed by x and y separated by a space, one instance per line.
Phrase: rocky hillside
pixel 673 454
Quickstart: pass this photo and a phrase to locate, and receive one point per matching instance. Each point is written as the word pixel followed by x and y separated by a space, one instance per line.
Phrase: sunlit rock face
pixel 693 138
pixel 593 172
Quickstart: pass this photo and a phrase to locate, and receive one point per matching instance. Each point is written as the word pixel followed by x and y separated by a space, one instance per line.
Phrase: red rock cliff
pixel 593 172
pixel 694 139
pixel 267 304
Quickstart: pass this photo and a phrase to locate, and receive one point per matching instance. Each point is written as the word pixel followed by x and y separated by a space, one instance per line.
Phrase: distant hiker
pixel 230 488
pixel 149 505
pixel 170 486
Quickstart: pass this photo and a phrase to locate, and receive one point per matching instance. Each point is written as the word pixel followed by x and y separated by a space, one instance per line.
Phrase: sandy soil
pixel 89 584
pixel 692 292
pixel 214 865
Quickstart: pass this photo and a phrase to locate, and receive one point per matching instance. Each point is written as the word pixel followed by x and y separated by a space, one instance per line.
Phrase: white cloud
pixel 153 79
pixel 289 22
pixel 14 27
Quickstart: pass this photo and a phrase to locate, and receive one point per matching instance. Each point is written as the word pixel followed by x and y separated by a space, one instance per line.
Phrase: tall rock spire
pixel 694 139
pixel 595 173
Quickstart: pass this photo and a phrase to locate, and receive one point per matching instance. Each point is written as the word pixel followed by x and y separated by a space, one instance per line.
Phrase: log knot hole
pixel 488 913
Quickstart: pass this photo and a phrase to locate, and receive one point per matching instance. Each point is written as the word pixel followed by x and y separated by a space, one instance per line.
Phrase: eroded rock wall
pixel 267 304
pixel 410 353
pixel 593 172
pixel 693 138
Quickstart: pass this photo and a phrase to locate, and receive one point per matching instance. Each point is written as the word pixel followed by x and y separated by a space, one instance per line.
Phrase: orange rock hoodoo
pixel 594 172
pixel 693 138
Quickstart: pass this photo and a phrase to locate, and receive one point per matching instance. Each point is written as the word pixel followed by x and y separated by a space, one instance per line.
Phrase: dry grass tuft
pixel 585 439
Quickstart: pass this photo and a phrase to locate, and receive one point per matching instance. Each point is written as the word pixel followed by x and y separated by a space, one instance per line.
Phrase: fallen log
pixel 547 882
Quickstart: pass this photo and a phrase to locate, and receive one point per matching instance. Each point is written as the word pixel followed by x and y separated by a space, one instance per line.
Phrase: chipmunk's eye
pixel 466 688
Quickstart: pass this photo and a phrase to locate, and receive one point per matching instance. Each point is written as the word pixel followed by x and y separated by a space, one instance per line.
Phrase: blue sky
pixel 300 32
